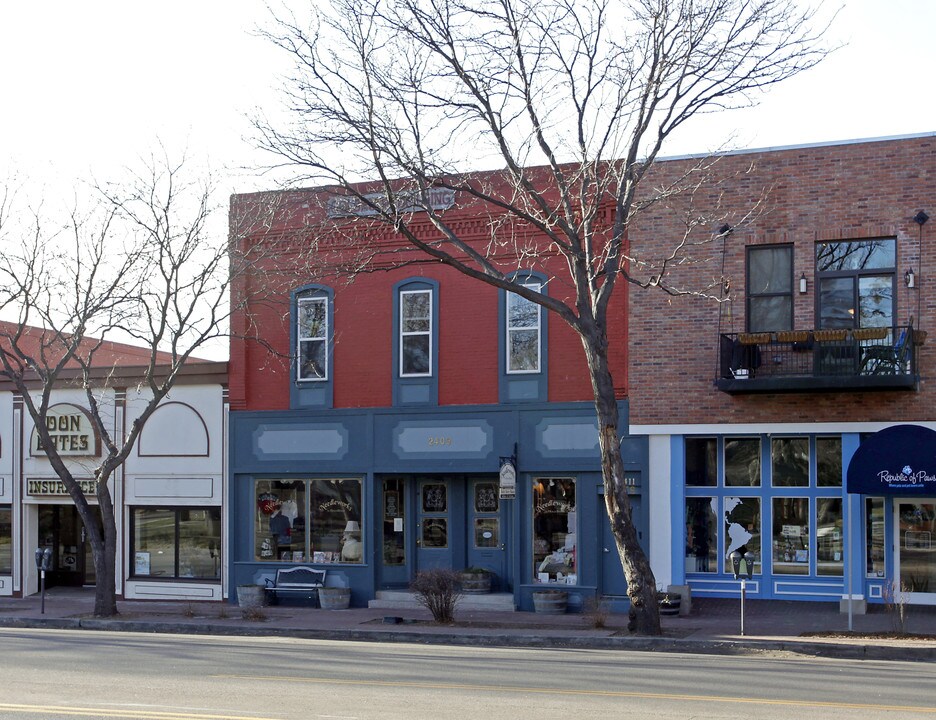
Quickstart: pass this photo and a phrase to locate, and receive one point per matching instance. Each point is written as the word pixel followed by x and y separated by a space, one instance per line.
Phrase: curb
pixel 844 651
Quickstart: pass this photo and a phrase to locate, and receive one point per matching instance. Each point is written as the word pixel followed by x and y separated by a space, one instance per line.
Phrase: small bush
pixel 189 610
pixel 439 590
pixel 596 610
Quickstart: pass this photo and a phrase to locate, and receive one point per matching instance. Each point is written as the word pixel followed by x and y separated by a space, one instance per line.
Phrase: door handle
pixel 84 534
pixel 606 550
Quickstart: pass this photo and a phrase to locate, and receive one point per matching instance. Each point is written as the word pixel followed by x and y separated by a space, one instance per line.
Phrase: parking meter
pixel 43 563
pixel 742 565
pixel 743 568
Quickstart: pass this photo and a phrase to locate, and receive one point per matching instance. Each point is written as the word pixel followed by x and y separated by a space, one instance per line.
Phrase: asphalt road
pixel 53 674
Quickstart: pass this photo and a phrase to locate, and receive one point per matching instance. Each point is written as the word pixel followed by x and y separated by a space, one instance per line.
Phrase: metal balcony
pixel 820 360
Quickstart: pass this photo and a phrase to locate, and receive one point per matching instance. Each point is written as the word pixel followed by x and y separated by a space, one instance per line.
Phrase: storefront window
pixel 791 536
pixel 6 540
pixel 171 543
pixel 829 461
pixel 701 535
pixel 743 527
pixel 742 462
pixel 789 462
pixel 701 462
pixel 829 536
pixel 554 530
pixel 874 536
pixel 308 521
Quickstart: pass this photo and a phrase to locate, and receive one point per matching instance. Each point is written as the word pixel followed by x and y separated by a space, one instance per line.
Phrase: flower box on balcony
pixel 754 338
pixel 919 337
pixel 873 333
pixel 829 335
pixel 791 336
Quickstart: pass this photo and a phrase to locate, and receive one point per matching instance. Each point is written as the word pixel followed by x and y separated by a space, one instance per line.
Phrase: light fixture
pixel 910 278
pixel 353 526
pixel 802 284
pixel 725 229
pixel 920 218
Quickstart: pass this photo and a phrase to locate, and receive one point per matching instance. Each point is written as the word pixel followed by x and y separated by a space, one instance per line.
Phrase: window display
pixel 554 531
pixel 874 536
pixel 308 521
pixel 172 543
pixel 701 535
pixel 791 536
pixel 6 540
pixel 829 543
pixel 743 527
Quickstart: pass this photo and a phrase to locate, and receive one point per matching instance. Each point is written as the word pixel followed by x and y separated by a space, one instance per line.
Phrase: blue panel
pixel 301 441
pixel 519 388
pixel 413 392
pixel 567 437
pixel 449 438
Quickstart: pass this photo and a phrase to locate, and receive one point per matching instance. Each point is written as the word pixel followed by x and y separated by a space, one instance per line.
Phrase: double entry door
pixel 441 521
pixel 61 530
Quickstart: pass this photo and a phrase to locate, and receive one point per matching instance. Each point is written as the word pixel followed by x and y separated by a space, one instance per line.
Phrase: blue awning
pixel 899 460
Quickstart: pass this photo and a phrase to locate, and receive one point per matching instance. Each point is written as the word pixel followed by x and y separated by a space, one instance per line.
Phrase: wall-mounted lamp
pixel 920 218
pixel 724 229
pixel 910 278
pixel 802 284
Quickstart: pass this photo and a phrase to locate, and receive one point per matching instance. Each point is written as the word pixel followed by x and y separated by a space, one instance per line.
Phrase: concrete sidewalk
pixel 712 627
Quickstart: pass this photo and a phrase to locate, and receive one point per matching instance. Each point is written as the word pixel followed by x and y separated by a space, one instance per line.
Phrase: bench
pixel 299 582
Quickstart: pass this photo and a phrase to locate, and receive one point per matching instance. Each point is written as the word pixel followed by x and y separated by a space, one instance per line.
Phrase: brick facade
pixel 854 190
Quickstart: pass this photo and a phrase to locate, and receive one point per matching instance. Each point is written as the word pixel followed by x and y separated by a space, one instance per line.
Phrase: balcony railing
pixel 802 360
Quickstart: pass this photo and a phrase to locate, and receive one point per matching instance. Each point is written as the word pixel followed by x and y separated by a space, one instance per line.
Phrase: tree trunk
pixel 105 569
pixel 641 584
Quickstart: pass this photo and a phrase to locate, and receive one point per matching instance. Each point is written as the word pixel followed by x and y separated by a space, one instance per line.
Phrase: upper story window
pixel 312 338
pixel 523 332
pixel 770 288
pixel 415 333
pixel 856 283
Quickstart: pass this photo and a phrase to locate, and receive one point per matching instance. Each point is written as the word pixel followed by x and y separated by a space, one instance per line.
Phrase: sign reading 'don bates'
pixel 71 432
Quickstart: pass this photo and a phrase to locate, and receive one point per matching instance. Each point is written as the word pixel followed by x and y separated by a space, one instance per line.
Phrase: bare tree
pixel 140 267
pixel 572 99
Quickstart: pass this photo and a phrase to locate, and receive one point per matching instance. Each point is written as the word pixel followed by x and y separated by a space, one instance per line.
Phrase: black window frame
pixel 855 274
pixel 750 296
pixel 175 577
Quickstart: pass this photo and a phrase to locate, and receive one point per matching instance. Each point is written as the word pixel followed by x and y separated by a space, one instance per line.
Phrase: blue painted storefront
pixel 457 447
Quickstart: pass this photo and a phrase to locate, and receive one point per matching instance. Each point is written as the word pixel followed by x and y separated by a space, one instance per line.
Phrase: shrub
pixel 439 590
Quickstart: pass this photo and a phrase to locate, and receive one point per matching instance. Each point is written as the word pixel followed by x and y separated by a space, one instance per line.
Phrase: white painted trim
pixel 778 589
pixel 659 490
pixel 798 428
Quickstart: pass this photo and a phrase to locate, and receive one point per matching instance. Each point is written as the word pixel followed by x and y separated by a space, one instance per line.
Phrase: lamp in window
pixel 351 548
pixel 802 284
pixel 910 278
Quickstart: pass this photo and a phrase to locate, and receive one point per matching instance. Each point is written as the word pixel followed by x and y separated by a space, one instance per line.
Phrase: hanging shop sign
pixel 899 460
pixel 71 431
pixel 508 478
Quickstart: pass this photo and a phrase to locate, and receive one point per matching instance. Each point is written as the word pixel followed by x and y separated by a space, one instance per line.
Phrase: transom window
pixel 415 333
pixel 523 332
pixel 856 283
pixel 312 338
pixel 770 288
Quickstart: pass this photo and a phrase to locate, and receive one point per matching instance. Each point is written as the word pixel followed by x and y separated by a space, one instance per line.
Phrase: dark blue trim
pixel 416 390
pixel 522 387
pixel 311 393
pixel 899 460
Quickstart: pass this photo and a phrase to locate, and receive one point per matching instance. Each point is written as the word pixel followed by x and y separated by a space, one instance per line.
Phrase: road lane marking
pixel 75 711
pixel 596 693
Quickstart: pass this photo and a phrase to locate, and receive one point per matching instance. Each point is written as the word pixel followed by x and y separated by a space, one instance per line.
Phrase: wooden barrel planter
pixel 334 598
pixel 251 596
pixel 475 582
pixel 550 602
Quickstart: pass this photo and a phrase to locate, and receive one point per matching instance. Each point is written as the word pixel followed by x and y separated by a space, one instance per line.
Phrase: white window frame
pixel 415 333
pixel 300 339
pixel 535 287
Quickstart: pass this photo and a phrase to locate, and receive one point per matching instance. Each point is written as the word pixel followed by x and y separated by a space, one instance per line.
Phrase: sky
pixel 89 88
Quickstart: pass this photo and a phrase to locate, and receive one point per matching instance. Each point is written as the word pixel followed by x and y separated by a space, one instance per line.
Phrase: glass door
pixel 61 530
pixel 433 541
pixel 486 529
pixel 916 550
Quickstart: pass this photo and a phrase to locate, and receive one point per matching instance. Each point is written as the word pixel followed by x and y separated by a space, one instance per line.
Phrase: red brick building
pixel 378 407
pixel 755 402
